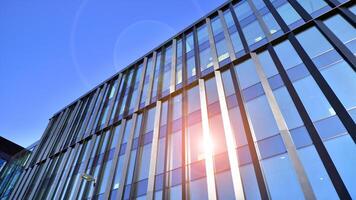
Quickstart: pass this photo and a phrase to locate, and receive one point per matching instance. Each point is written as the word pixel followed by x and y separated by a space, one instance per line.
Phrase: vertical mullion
pixel 300 10
pixel 260 20
pixel 196 52
pixel 98 109
pixel 230 141
pixel 347 14
pixel 239 29
pixel 317 141
pixel 65 172
pixel 85 164
pixel 284 131
pixel 337 44
pixel 161 73
pixel 228 40
pixel 70 124
pixel 112 104
pixel 209 163
pixel 115 159
pixel 138 152
pixel 40 178
pixel 172 86
pixel 184 111
pixel 277 16
pixel 19 183
pixel 78 122
pixel 154 151
pixel 325 88
pixel 213 50
pixel 141 84
pixel 37 150
pixel 53 135
pixel 150 85
pixel 28 179
pixel 343 10
pixel 58 134
pixel 131 88
pixel 105 156
pixel 184 61
pixel 126 164
pixel 87 115
pixel 166 176
pixel 249 137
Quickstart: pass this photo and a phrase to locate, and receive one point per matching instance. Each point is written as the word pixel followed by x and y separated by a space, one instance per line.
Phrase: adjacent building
pixel 7 150
pixel 256 100
pixel 14 166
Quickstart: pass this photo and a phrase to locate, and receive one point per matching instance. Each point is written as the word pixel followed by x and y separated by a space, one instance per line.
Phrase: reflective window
pixel 271 23
pixel 195 144
pixel 253 32
pixel 262 118
pixel 144 162
pixel 249 182
pixel 206 59
pixel 193 99
pixel 342 151
pixel 344 88
pixel 267 18
pixel 166 78
pixel 175 193
pixel 146 83
pixel 220 41
pixel 312 6
pixel 246 73
pixel 234 35
pixel 343 30
pixel 287 108
pixel 317 175
pixel 190 54
pixel 156 77
pixel 251 28
pixel 313 99
pixel 224 187
pixel 242 10
pixel 278 171
pixel 179 73
pixel 287 55
pixel 135 91
pixel 123 105
pixel 288 14
pixel 198 190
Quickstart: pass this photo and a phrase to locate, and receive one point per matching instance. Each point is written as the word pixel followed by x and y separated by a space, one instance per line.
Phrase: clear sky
pixel 52 52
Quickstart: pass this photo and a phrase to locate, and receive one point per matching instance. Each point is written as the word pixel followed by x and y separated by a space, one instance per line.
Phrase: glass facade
pixel 256 101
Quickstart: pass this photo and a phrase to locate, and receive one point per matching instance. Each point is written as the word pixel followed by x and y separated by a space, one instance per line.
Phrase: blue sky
pixel 52 52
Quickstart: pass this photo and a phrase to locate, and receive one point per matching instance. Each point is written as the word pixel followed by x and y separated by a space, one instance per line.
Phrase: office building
pixel 256 100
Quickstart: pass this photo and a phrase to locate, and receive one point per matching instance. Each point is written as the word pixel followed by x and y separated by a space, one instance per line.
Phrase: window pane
pixel 262 118
pixel 246 73
pixel 342 151
pixel 253 32
pixel 206 59
pixel 278 172
pixel 235 38
pixel 288 108
pixel 198 190
pixel 343 30
pixel 318 177
pixel 313 99
pixel 189 46
pixel 288 14
pixel 224 187
pixel 311 6
pixel 249 182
